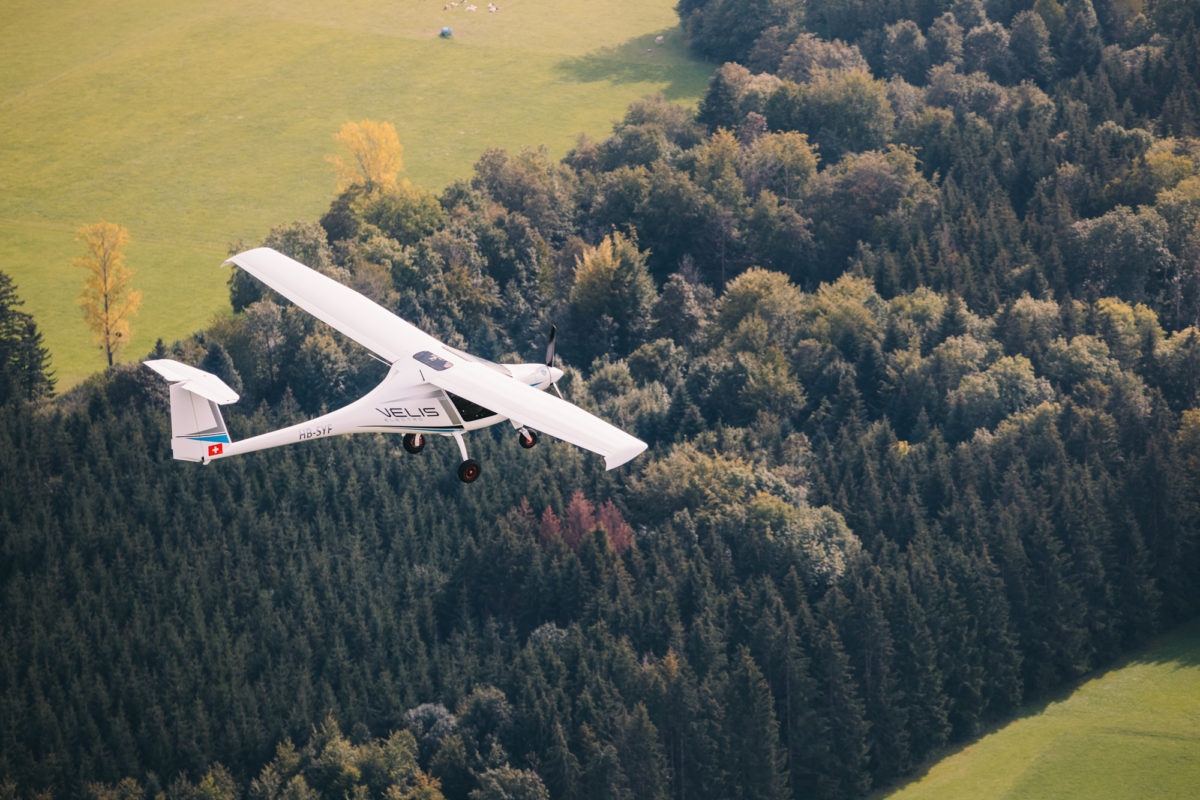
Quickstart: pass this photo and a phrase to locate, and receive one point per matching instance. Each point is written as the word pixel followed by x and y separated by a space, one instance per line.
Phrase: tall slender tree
pixel 107 300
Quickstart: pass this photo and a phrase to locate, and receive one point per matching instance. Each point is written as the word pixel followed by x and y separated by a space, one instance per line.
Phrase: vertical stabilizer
pixel 198 432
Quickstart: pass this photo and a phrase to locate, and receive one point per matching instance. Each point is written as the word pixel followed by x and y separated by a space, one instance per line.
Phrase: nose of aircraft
pixel 555 374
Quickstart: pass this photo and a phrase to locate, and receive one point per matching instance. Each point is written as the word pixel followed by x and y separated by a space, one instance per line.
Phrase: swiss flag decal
pixel 214 449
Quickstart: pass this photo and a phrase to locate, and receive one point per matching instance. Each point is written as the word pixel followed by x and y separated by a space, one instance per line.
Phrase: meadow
pixel 198 126
pixel 1132 732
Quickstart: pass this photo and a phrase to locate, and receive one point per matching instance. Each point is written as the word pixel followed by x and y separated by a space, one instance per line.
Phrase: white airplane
pixel 431 388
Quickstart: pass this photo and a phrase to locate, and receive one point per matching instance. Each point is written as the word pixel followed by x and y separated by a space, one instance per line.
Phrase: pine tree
pixel 871 647
pixel 641 754
pixel 755 760
pixel 919 677
pixel 24 360
pixel 841 768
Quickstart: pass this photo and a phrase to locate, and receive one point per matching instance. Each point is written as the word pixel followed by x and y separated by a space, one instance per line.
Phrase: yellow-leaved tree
pixel 106 300
pixel 374 161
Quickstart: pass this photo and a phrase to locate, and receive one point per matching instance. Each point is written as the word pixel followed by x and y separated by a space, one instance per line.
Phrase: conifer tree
pixel 755 760
pixel 842 765
pixel 24 360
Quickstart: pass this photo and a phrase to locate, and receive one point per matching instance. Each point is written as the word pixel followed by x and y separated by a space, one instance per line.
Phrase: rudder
pixel 198 431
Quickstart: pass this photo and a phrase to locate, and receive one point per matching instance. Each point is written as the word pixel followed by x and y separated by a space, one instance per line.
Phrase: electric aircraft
pixel 431 388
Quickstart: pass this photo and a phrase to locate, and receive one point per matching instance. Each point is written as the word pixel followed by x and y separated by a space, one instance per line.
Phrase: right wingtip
pixel 625 454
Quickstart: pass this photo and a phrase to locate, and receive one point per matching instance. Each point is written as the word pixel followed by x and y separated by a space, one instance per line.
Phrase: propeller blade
pixel 550 346
pixel 555 373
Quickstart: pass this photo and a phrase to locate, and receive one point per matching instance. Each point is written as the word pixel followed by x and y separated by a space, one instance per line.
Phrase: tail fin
pixel 198 432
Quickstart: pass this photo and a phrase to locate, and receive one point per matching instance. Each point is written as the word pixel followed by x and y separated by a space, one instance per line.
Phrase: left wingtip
pixel 260 255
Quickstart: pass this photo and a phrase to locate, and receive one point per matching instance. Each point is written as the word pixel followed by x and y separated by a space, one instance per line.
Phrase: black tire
pixel 531 441
pixel 468 470
pixel 414 442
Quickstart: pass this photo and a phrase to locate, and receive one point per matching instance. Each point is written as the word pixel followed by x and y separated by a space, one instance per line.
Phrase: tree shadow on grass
pixel 643 59
pixel 1179 648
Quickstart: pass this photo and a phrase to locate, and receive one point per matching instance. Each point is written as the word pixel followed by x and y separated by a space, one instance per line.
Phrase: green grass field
pixel 1133 732
pixel 197 125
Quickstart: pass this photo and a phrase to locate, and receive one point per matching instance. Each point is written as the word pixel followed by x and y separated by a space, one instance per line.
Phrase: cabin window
pixel 469 411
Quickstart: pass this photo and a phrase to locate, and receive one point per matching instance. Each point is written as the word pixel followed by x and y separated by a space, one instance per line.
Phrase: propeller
pixel 555 373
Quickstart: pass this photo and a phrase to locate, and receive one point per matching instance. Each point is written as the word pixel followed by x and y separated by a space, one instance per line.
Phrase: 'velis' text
pixel 409 413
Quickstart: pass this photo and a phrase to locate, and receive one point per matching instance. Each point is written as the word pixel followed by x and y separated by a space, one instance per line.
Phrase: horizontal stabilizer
pixel 197 381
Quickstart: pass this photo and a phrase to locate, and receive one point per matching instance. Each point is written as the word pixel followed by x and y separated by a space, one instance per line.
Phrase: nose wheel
pixel 414 442
pixel 528 438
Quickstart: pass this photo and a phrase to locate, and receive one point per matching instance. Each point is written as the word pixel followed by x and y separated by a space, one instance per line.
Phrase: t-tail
pixel 198 432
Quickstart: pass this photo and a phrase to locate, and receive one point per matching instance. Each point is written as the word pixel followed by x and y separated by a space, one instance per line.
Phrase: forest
pixel 908 313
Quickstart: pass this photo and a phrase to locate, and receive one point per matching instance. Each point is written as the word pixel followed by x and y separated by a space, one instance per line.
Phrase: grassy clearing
pixel 198 125
pixel 1131 733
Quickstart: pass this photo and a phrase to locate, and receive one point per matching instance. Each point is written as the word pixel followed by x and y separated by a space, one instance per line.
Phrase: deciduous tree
pixel 375 155
pixel 842 112
pixel 107 301
pixel 905 52
pixel 613 294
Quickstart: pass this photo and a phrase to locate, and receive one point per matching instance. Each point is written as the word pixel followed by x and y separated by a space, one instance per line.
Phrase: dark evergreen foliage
pixel 24 360
pixel 913 346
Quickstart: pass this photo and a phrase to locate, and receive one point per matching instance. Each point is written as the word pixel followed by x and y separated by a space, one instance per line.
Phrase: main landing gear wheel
pixel 468 470
pixel 414 442
pixel 527 438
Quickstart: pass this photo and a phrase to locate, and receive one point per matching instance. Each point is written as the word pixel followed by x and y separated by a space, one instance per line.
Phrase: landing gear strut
pixel 528 438
pixel 414 442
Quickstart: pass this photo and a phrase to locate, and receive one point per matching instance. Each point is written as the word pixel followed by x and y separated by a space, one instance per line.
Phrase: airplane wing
pixel 526 405
pixel 360 318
